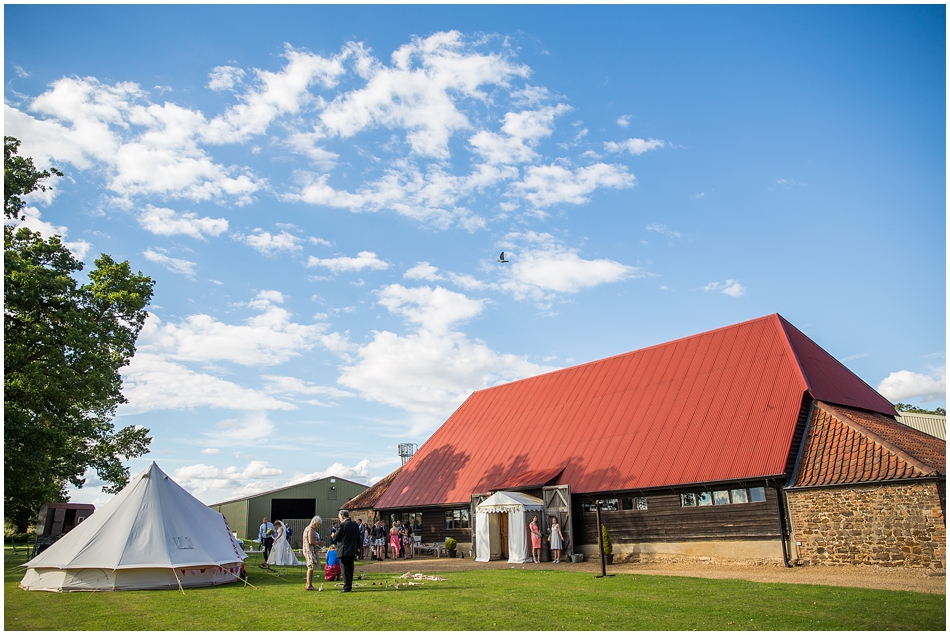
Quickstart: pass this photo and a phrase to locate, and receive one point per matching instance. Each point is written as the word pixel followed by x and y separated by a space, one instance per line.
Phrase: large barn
pixel 295 504
pixel 747 442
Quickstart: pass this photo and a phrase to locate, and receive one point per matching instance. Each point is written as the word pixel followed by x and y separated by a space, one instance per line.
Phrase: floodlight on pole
pixel 406 450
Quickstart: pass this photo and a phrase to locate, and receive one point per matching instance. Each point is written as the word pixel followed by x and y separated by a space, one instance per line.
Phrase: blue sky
pixel 321 194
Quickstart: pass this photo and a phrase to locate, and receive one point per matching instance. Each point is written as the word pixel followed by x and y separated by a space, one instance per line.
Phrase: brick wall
pixel 888 525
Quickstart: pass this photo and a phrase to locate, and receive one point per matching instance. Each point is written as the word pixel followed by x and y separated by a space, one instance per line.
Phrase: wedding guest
pixel 311 542
pixel 347 543
pixel 557 539
pixel 266 537
pixel 535 540
pixel 379 540
pixel 394 539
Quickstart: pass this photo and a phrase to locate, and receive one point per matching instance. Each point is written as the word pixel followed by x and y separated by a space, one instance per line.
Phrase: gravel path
pixel 895 579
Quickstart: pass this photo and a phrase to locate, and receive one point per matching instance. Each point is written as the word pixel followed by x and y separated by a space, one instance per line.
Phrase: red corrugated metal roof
pixel 534 478
pixel 845 446
pixel 717 406
pixel 829 380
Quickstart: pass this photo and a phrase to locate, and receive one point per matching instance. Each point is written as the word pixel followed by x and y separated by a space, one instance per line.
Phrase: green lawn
pixel 495 599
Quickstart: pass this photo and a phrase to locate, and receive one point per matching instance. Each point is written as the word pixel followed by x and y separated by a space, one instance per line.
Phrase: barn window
pixel 688 500
pixel 721 497
pixel 626 503
pixel 456 518
pixel 756 494
pixel 609 505
pixel 641 502
pixel 704 498
pixel 739 495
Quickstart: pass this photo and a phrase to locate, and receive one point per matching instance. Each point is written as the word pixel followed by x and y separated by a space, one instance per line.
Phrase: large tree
pixel 64 344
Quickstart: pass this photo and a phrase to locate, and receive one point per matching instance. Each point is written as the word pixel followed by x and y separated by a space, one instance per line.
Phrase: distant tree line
pixel 906 407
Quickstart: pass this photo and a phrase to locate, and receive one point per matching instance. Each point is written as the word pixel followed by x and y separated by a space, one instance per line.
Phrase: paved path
pixel 892 578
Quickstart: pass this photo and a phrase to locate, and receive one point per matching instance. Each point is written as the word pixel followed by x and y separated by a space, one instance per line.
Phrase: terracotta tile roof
pixel 717 406
pixel 367 499
pixel 844 445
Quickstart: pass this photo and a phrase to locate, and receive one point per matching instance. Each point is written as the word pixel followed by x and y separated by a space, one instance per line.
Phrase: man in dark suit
pixel 347 539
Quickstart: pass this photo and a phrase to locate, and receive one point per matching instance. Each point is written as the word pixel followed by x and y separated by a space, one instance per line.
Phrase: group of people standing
pixel 554 535
pixel 352 540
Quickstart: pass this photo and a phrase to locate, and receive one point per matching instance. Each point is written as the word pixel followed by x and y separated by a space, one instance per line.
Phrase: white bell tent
pixel 152 535
pixel 519 508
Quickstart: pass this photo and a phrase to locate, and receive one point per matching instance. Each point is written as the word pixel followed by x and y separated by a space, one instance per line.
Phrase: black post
pixel 600 546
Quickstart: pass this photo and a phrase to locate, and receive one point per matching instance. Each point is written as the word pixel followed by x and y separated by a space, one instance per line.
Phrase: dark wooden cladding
pixel 665 520
pixel 433 523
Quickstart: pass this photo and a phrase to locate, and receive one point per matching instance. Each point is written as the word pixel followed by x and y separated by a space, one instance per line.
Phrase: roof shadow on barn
pixel 440 473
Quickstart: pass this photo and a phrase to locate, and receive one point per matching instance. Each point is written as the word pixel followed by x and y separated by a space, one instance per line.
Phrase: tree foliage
pixel 906 407
pixel 64 344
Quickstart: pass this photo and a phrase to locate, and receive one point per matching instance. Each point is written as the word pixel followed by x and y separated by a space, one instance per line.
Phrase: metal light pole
pixel 600 546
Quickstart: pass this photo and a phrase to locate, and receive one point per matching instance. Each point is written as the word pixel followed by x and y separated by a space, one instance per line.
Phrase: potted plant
pixel 608 546
pixel 451 546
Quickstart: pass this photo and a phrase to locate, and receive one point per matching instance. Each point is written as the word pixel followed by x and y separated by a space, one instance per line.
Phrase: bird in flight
pixel 501 258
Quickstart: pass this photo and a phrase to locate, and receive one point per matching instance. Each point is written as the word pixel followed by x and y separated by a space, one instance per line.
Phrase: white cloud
pixel 635 146
pixel 662 229
pixel 729 287
pixel 546 185
pixel 225 77
pixel 623 121
pixel 152 383
pixel 432 370
pixel 418 92
pixel 423 271
pixel 142 148
pixel 905 384
pixel 34 222
pixel 268 243
pixel 275 94
pixel 432 309
pixel 359 473
pixel 430 373
pixel 168 222
pixel 175 265
pixel 546 267
pixel 363 260
pixel 262 340
pixel 522 132
pixel 283 385
pixel 229 482
pixel 252 428
pixel 211 451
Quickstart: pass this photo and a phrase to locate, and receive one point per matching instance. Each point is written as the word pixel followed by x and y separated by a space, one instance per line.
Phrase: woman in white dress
pixel 557 539
pixel 281 553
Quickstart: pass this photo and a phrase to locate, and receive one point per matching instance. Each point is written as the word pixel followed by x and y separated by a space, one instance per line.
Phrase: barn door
pixel 557 502
pixel 476 501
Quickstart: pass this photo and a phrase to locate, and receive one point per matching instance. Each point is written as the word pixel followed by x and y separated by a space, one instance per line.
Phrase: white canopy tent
pixel 152 535
pixel 519 507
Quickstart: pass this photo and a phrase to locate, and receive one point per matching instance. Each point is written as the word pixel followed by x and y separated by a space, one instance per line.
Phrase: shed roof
pixel 846 446
pixel 718 406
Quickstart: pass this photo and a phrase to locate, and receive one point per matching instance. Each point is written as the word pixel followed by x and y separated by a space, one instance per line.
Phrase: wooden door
pixel 557 502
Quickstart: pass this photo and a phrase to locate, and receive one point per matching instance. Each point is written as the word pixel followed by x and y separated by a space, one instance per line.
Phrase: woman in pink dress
pixel 536 539
pixel 394 539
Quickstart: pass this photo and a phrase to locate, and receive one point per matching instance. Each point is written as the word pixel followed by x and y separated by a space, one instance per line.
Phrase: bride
pixel 281 553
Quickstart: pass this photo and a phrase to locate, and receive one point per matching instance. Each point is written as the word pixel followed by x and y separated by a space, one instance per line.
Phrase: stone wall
pixel 886 524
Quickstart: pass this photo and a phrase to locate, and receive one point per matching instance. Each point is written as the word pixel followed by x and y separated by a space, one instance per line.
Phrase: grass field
pixel 495 599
